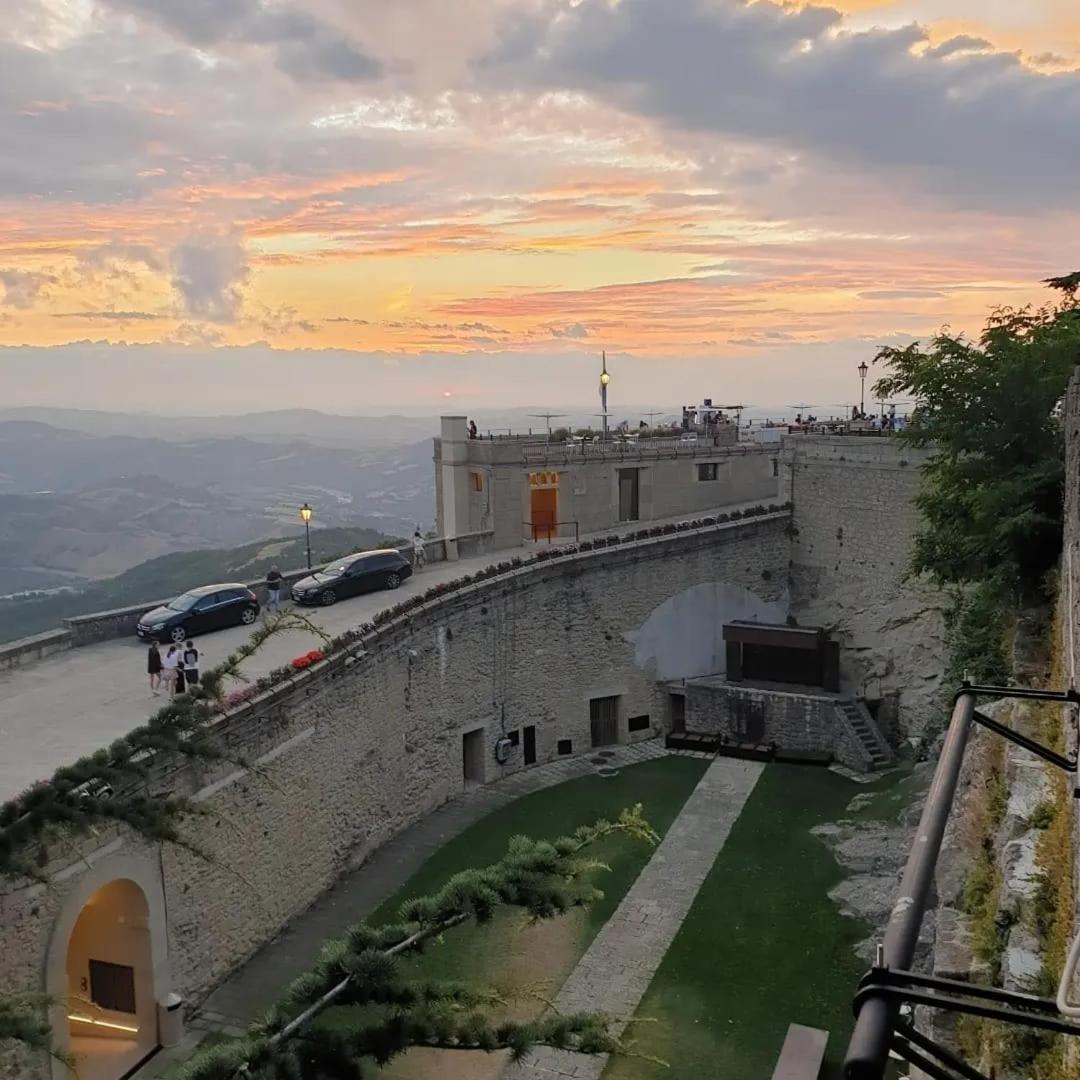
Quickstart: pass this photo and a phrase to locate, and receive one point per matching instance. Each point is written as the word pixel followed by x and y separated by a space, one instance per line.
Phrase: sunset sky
pixel 209 205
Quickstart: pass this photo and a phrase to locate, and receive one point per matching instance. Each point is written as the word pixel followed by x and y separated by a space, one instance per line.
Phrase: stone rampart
pixel 853 528
pixel 358 747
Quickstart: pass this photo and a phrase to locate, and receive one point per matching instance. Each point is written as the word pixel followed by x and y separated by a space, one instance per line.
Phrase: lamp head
pixel 863 369
pixel 305 513
pixel 605 378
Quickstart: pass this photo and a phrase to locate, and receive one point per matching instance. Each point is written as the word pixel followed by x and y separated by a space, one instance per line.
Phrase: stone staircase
pixel 857 719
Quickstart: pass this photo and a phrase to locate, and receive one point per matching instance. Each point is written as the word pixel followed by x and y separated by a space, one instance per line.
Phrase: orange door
pixel 545 513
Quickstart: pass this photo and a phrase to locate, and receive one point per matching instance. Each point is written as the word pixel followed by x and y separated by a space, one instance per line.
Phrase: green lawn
pixel 763 945
pixel 478 953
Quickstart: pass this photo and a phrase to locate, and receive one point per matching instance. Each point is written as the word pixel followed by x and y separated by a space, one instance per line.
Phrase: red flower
pixel 314 656
pixel 301 662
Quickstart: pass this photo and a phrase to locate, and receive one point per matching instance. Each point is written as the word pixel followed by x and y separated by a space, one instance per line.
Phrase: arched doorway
pixel 107 966
pixel 111 1008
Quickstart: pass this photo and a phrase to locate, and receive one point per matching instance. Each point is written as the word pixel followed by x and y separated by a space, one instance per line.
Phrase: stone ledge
pixel 30 649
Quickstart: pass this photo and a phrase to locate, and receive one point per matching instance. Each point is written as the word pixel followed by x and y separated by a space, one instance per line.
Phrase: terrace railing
pixel 890 989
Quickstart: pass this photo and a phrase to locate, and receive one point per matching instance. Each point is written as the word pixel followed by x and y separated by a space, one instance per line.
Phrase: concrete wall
pixel 28 650
pixel 359 747
pixel 853 527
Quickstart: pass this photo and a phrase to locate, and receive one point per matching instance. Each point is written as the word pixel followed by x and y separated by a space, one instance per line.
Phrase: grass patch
pixel 763 945
pixel 887 802
pixel 485 955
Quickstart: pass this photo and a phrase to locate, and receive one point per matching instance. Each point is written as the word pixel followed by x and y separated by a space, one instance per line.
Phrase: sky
pixel 220 205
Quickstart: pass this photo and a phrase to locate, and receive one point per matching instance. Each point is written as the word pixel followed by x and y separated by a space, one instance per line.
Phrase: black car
pixel 366 572
pixel 211 607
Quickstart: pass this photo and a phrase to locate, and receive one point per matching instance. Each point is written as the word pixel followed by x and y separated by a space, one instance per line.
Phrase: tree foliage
pixel 389 1008
pixel 992 493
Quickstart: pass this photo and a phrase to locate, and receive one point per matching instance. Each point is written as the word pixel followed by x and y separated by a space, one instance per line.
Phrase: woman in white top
pixel 169 665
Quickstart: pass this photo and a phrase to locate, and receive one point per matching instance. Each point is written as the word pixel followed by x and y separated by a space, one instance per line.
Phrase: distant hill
pixel 170 575
pixel 76 506
pixel 281 425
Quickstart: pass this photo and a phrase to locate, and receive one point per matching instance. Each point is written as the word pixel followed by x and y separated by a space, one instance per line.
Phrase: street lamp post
pixel 863 369
pixel 305 516
pixel 605 378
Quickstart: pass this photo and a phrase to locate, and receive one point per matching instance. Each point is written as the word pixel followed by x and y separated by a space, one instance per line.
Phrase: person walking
pixel 418 551
pixel 169 667
pixel 153 668
pixel 191 665
pixel 273 590
pixel 180 685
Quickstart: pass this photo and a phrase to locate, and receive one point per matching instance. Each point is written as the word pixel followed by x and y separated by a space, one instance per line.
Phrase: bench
pixel 802 1054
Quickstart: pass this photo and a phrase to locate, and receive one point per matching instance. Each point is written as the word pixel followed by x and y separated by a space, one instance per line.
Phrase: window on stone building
pixel 477 481
pixel 708 470
pixel 776 466
pixel 565 746
pixel 638 723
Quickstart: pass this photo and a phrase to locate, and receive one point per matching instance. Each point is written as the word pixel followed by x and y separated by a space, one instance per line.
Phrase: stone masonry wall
pixel 801 722
pixel 853 526
pixel 370 743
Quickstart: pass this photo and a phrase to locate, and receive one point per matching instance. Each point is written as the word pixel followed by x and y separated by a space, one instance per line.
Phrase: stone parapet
pixel 99 626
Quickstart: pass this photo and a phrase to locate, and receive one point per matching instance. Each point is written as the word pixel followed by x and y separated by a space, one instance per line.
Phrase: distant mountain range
pixel 283 425
pixel 171 575
pixel 77 505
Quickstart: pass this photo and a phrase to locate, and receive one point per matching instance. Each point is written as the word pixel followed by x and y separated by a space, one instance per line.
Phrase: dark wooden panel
pixel 112 986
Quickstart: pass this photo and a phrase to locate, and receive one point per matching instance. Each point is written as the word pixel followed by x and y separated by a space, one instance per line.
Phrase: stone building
pixel 528 488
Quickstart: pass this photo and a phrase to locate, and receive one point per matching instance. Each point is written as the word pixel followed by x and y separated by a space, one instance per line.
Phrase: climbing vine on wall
pixel 111 785
pixel 382 1007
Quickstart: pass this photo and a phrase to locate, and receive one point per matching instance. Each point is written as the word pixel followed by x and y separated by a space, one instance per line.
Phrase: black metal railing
pixel 549 530
pixel 890 984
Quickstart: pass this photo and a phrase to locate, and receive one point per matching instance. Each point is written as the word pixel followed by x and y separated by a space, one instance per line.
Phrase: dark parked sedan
pixel 366 572
pixel 210 608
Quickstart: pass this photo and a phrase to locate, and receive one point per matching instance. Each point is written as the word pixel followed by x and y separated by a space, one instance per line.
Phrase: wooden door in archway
pixel 544 513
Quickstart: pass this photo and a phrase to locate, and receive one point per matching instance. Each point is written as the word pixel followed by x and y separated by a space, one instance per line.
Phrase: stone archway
pixel 107 968
pixel 683 637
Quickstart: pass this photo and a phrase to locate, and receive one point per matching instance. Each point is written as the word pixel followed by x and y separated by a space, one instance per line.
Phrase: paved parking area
pixel 71 704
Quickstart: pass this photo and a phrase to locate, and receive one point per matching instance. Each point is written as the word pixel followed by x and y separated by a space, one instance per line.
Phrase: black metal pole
pixel 307 540
pixel 869 1046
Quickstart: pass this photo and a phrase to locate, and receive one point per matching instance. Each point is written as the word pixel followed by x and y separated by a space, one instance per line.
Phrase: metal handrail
pixel 548 526
pixel 877 1009
pixel 622 451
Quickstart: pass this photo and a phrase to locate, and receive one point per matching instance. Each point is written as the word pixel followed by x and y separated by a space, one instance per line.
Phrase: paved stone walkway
pixel 615 972
pixel 253 988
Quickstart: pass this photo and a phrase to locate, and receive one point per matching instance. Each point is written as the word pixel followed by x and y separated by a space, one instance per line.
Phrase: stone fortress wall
pixel 853 524
pixel 362 745
pixel 359 748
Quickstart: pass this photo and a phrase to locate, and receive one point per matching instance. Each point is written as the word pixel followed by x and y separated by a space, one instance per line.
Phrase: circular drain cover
pixel 605 753
pixel 598 760
pixel 607 771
